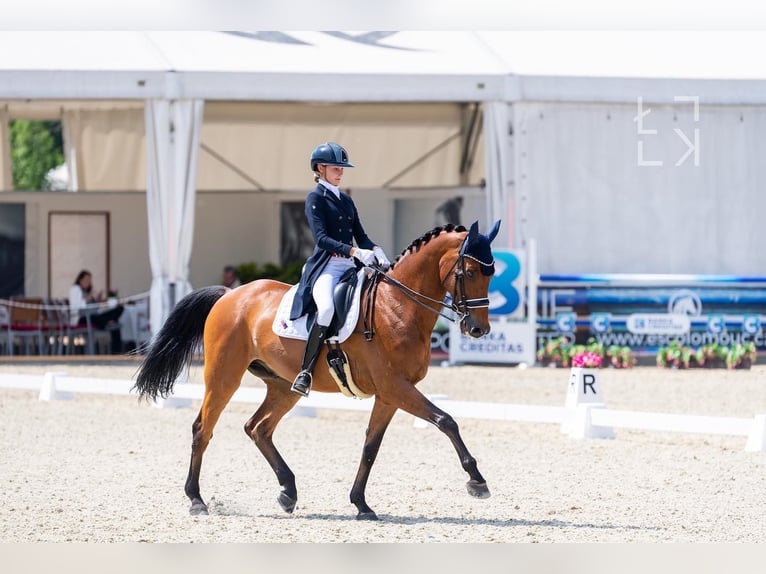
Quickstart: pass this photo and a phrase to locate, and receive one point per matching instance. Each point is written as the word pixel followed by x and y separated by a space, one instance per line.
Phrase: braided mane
pixel 426 237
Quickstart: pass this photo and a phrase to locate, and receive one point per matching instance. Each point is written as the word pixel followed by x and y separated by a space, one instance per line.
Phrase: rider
pixel 334 223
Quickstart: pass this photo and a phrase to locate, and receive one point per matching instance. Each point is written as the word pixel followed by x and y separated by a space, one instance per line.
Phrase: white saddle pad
pixel 284 327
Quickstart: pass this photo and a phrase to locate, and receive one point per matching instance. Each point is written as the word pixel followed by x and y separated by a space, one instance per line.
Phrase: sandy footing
pixel 112 469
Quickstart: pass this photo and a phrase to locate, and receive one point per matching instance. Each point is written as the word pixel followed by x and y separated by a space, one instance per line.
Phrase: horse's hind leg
pixel 220 385
pixel 202 432
pixel 260 427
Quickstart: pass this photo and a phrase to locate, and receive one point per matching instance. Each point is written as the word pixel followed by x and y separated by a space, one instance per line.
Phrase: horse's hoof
pixel 477 489
pixel 370 515
pixel 287 503
pixel 198 509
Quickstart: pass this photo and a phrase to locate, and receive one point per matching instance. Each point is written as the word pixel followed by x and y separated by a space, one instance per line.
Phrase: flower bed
pixel 714 356
pixel 561 352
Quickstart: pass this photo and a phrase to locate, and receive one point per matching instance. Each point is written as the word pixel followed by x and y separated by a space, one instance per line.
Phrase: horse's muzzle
pixel 473 329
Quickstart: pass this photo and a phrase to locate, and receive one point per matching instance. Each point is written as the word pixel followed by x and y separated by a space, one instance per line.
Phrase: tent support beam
pixel 472 133
pixel 421 159
pixel 218 157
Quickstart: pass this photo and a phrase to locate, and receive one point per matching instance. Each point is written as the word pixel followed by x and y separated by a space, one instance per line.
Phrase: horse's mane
pixel 425 238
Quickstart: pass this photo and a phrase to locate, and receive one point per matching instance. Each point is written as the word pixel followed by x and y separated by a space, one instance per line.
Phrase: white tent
pixel 544 95
pixel 150 86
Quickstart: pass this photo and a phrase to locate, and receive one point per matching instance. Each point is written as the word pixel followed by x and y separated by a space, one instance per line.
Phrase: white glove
pixel 382 259
pixel 366 256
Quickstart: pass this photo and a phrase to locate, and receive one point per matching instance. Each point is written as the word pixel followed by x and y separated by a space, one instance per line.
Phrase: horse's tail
pixel 174 345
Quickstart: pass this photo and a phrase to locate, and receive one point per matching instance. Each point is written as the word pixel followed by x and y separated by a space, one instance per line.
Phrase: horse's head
pixel 474 268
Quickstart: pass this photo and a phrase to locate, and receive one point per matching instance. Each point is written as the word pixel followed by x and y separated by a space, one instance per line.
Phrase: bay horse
pixel 235 328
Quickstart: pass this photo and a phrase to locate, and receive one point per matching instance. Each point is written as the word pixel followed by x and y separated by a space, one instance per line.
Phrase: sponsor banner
pixel 658 323
pixel 508 284
pixel 507 342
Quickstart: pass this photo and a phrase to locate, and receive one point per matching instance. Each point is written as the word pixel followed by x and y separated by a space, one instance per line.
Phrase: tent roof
pixel 279 66
pixel 619 66
pixel 719 67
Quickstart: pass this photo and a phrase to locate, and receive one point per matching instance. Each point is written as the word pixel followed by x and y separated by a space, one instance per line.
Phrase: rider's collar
pixel 334 188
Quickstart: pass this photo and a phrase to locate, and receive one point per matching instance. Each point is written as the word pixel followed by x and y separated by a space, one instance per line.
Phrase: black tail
pixel 176 342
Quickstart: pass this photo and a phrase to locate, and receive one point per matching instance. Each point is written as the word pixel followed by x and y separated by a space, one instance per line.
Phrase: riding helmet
pixel 329 153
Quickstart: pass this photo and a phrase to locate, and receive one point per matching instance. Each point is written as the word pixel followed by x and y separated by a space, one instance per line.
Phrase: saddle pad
pixel 284 327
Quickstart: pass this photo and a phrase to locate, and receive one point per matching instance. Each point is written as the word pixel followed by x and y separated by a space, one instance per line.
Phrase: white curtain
pixel 6 177
pixel 104 148
pixel 499 169
pixel 72 128
pixel 172 144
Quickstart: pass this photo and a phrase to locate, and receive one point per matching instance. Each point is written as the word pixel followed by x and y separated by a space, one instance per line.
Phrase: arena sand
pixel 112 469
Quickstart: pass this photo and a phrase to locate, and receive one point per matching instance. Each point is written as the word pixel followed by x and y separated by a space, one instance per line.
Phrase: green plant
pixel 555 352
pixel 36 148
pixel 712 356
pixel 741 356
pixel 619 357
pixel 290 273
pixel 675 356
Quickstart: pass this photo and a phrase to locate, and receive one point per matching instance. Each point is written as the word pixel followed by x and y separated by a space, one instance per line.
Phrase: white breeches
pixel 325 286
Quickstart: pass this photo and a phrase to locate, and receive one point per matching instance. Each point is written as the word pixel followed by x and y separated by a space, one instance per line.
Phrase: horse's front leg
pixel 379 419
pixel 411 400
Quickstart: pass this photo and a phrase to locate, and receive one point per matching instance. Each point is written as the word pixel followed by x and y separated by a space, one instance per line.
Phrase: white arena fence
pixel 580 420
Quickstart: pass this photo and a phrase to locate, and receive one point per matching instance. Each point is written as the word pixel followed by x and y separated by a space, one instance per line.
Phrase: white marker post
pixel 48 391
pixel 583 395
pixel 756 441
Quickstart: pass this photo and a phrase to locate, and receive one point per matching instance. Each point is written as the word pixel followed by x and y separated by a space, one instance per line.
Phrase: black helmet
pixel 329 153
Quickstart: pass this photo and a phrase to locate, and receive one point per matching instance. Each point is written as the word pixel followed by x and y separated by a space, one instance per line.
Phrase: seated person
pixel 230 277
pixel 80 295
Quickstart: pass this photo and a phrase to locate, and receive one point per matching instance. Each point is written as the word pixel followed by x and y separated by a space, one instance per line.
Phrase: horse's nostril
pixel 477 332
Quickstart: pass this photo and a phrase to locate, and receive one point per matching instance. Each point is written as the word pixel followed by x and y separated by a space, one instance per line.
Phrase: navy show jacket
pixel 335 224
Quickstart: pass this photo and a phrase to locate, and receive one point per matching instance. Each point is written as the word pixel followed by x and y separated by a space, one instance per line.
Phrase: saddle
pixel 347 297
pixel 347 303
pixel 343 297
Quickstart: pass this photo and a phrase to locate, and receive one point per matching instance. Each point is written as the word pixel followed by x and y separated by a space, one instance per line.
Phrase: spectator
pixel 81 296
pixel 230 277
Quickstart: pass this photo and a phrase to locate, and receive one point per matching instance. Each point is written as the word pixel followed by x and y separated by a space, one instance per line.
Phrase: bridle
pixel 460 306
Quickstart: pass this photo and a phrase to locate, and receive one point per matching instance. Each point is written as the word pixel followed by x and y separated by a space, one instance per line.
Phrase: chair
pixel 87 337
pixel 5 322
pixel 56 326
pixel 26 325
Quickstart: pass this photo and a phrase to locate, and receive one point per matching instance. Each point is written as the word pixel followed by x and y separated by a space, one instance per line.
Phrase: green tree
pixel 36 148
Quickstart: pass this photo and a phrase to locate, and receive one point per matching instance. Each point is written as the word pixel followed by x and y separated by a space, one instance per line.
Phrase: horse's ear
pixel 493 232
pixel 473 233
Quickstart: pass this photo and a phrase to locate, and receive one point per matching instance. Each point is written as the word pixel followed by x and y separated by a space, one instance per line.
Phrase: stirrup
pixel 301 385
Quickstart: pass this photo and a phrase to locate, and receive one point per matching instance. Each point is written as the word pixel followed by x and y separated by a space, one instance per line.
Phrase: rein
pixel 461 308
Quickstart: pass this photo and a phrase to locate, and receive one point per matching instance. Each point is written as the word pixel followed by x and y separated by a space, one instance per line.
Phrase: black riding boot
pixel 302 383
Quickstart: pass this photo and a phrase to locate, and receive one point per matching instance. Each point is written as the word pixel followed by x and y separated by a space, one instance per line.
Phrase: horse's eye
pixel 470 273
